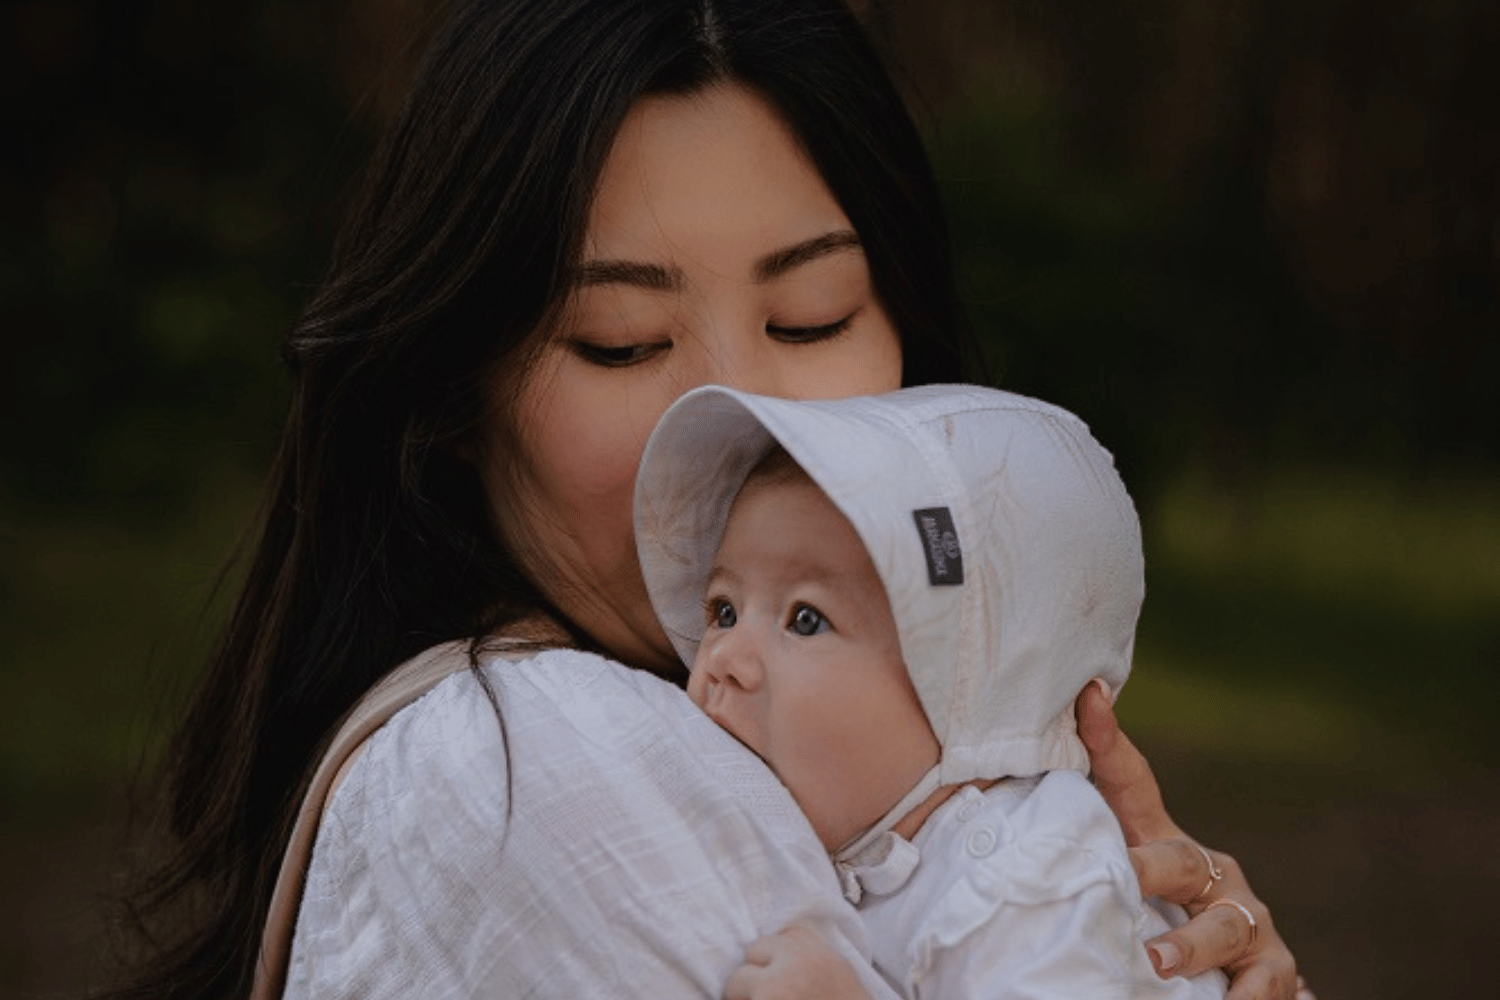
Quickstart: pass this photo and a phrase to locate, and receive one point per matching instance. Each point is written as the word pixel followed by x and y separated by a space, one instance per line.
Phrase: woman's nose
pixel 742 360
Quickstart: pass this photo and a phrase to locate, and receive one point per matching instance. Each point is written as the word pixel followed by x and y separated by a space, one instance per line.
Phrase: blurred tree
pixel 1221 229
pixel 1302 257
pixel 170 201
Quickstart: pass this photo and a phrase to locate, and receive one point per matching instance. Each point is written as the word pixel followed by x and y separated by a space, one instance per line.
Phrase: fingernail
pixel 1165 956
pixel 1109 693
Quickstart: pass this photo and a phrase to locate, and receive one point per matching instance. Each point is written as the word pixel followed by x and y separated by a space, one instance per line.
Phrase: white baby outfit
pixel 613 842
pixel 1011 555
pixel 1025 890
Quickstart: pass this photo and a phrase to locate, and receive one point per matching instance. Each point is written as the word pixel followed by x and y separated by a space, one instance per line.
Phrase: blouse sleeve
pixel 600 836
pixel 404 856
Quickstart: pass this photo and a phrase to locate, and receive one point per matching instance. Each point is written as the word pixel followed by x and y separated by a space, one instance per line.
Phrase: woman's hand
pixel 796 964
pixel 1172 866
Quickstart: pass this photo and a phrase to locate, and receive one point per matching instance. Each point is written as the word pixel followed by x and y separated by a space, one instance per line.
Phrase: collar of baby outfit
pixel 1005 540
pixel 882 867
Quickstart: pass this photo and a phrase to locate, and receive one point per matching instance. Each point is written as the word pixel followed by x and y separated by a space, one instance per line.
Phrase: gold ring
pixel 1226 901
pixel 1214 874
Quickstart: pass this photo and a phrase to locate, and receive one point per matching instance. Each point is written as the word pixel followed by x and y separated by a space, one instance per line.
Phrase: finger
pixel 742 982
pixel 1218 937
pixel 763 950
pixel 1303 992
pixel 1176 870
pixel 795 936
pixel 1120 771
pixel 1263 982
pixel 1097 726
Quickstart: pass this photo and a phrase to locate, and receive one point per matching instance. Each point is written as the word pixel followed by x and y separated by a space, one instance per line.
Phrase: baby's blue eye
pixel 724 615
pixel 808 620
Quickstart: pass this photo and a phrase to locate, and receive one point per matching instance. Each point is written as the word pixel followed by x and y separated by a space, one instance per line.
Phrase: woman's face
pixel 714 254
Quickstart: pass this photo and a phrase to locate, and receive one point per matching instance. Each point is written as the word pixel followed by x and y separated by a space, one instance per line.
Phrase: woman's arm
pixel 1169 864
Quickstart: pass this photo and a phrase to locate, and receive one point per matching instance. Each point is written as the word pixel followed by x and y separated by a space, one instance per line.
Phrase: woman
pixel 585 209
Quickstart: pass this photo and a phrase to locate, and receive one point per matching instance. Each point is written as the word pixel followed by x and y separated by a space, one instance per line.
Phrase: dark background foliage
pixel 1256 243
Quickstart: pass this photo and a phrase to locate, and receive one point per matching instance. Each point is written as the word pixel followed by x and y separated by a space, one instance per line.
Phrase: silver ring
pixel 1226 901
pixel 1214 874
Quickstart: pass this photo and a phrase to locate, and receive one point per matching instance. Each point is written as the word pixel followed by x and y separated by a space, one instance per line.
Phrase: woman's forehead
pixel 714 178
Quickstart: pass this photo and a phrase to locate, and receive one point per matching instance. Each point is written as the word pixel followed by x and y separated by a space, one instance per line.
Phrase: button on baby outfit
pixel 981 842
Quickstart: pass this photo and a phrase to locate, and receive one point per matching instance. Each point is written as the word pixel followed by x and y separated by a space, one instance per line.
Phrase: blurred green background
pixel 1256 243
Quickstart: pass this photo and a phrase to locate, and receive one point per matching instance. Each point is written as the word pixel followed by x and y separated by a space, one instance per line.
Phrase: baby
pixel 894 602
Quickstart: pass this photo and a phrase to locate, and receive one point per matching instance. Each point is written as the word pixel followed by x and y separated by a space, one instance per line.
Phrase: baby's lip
pixel 710 698
pixel 716 713
pixel 714 700
pixel 739 739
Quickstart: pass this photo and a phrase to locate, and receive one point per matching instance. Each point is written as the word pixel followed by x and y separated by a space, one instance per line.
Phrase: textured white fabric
pixel 1004 614
pixel 615 843
pixel 1024 892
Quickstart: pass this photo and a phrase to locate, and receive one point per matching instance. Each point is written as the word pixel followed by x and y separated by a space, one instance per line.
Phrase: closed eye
pixel 623 356
pixel 810 334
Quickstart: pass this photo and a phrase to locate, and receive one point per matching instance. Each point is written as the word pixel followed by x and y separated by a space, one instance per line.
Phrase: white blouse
pixel 607 839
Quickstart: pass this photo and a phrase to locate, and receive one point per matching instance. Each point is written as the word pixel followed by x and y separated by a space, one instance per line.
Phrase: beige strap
pixel 398 689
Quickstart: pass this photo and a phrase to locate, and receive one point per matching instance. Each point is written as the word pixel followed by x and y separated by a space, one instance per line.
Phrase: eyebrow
pixel 720 573
pixel 807 571
pixel 652 277
pixel 656 278
pixel 776 264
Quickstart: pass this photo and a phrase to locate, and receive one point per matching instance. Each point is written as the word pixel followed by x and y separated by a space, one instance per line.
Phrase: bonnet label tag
pixel 945 560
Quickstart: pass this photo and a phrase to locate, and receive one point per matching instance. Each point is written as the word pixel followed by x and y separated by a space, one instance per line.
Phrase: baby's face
pixel 801 660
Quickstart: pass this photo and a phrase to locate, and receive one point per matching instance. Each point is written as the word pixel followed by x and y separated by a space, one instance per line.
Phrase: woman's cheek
pixel 592 449
pixel 867 361
pixel 568 467
pixel 596 429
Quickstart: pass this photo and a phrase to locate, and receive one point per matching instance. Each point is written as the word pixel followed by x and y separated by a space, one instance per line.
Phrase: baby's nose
pixel 735 660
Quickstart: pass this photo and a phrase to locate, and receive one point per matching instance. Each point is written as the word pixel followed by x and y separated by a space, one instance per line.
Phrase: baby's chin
pixel 834 833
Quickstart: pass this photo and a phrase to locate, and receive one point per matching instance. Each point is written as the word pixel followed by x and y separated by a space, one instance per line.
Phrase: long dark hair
pixel 374 541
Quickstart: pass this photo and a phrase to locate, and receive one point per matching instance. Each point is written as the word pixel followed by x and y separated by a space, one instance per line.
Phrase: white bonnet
pixel 1006 542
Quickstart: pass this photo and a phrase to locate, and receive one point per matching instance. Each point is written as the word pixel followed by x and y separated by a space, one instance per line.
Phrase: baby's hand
pixel 796 964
